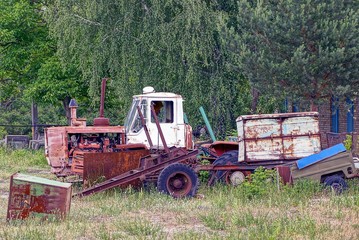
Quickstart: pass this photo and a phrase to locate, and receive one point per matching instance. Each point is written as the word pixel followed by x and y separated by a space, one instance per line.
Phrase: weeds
pixel 256 209
pixel 140 227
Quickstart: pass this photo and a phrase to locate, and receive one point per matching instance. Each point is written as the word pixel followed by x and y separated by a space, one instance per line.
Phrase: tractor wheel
pixel 228 157
pixel 336 183
pixel 178 180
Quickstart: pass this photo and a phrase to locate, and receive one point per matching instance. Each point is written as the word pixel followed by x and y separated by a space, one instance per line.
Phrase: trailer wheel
pixel 235 178
pixel 228 157
pixel 336 183
pixel 178 180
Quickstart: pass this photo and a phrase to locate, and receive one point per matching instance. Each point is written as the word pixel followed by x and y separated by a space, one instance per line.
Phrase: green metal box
pixel 32 196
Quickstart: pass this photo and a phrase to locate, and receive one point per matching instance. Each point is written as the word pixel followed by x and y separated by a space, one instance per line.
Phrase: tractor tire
pixel 336 183
pixel 178 180
pixel 228 157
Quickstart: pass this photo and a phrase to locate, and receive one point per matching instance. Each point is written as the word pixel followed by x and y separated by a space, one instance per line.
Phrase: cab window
pixel 137 123
pixel 163 110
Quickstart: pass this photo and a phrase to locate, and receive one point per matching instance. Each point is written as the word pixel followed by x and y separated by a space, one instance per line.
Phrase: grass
pixel 249 211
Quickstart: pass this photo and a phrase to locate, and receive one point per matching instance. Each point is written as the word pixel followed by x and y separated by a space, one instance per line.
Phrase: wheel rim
pixel 236 178
pixel 179 184
pixel 336 188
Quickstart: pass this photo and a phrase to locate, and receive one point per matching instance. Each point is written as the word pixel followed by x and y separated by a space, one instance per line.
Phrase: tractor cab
pixel 169 110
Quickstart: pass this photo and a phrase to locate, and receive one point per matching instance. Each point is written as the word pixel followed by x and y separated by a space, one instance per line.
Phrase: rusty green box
pixel 32 196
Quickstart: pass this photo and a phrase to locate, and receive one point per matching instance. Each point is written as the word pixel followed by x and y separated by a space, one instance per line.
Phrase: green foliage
pixel 17 112
pixel 17 115
pixel 348 142
pixel 297 49
pixel 171 45
pixel 54 83
pixel 29 69
pixel 24 45
pixel 259 183
pixel 204 175
pixel 231 135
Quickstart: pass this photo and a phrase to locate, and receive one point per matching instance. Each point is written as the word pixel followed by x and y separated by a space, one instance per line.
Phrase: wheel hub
pixel 237 178
pixel 177 183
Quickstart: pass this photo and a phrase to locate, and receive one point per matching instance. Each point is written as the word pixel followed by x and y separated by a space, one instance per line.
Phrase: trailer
pixel 264 140
pixel 332 167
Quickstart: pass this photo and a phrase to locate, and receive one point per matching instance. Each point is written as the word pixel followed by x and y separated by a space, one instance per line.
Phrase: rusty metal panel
pixel 37 197
pixel 56 146
pixel 96 129
pixel 278 137
pixel 98 167
pixel 220 147
pixel 285 174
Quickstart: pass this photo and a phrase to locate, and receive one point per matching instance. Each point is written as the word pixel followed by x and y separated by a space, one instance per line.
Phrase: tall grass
pixel 254 210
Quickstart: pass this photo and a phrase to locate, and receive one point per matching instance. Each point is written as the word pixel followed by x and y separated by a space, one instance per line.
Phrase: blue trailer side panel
pixel 329 152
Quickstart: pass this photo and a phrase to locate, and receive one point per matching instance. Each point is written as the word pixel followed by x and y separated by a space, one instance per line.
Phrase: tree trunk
pixel 313 106
pixel 65 104
pixel 255 97
pixel 34 121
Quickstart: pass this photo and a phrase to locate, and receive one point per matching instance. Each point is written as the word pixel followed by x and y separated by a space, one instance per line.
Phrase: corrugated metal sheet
pixel 37 197
pixel 286 136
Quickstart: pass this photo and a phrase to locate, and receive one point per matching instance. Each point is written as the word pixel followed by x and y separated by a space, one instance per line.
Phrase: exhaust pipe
pixel 101 120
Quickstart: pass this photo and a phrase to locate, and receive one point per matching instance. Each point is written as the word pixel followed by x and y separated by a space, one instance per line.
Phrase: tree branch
pixel 87 20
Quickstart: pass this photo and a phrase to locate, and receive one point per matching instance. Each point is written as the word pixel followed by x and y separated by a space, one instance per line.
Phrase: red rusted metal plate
pixel 37 197
pixel 221 147
pixel 285 174
pixel 98 167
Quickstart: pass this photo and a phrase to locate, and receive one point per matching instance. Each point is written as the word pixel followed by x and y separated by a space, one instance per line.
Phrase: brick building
pixel 337 118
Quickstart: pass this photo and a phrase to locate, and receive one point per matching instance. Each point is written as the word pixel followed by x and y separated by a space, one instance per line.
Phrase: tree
pixel 23 45
pixel 29 67
pixel 299 49
pixel 169 44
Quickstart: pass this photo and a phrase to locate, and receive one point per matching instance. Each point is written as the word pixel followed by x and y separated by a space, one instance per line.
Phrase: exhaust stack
pixel 76 122
pixel 101 120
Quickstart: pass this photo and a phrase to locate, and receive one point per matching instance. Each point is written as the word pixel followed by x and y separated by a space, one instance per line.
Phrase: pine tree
pixel 299 49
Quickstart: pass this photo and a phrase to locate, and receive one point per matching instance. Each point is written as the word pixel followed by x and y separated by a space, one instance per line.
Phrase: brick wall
pixel 324 122
pixel 325 118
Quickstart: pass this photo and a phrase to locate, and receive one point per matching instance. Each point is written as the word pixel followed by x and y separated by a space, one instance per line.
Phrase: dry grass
pixel 304 211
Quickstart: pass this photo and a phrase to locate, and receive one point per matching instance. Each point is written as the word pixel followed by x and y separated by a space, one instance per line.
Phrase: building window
pixel 335 114
pixel 295 107
pixel 285 106
pixel 350 115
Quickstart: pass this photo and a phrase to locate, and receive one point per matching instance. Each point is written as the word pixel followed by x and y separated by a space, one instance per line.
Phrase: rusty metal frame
pixel 159 130
pixel 134 174
pixel 144 126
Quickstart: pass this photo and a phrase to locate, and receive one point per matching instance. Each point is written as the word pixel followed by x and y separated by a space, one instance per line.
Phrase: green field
pixel 257 210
